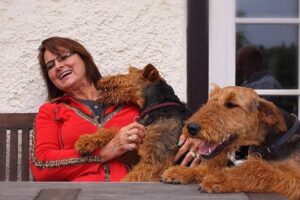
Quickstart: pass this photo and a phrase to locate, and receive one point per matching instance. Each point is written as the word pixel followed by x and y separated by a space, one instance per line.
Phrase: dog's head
pixel 233 117
pixel 139 86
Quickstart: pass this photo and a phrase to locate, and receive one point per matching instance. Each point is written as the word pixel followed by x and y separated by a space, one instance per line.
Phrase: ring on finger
pixel 192 154
pixel 198 157
pixel 130 147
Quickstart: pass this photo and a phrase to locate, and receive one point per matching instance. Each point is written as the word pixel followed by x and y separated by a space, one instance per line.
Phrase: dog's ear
pixel 214 89
pixel 132 69
pixel 150 73
pixel 270 115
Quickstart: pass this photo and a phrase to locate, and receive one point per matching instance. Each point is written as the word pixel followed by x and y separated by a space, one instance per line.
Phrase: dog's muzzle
pixel 193 128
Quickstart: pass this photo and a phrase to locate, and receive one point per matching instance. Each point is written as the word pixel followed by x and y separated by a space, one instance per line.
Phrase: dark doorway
pixel 197 53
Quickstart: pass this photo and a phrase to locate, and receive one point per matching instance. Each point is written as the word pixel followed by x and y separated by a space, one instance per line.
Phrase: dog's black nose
pixel 193 128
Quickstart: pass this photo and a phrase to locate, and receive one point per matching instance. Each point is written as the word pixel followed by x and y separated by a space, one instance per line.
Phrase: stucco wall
pixel 118 33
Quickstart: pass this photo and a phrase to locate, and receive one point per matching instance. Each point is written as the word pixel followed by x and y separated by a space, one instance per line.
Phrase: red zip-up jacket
pixel 58 125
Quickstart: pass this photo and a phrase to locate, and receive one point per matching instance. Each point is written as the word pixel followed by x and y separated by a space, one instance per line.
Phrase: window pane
pixel 289 103
pixel 269 57
pixel 267 8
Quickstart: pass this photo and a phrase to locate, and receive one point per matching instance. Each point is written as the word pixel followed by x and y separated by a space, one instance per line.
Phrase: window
pixel 270 34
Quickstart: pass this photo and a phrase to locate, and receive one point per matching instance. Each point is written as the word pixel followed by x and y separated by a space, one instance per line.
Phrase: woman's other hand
pixel 188 151
pixel 128 138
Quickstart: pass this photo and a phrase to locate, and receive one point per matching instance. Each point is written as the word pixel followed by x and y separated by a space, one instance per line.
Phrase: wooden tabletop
pixel 115 191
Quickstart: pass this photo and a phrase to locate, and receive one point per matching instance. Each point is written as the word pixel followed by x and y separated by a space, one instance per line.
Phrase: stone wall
pixel 118 33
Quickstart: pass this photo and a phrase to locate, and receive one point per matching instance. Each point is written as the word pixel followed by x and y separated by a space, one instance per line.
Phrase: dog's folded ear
pixel 150 73
pixel 132 69
pixel 214 88
pixel 270 115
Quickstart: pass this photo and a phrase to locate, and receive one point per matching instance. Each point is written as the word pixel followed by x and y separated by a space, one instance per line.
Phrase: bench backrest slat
pixel 15 130
pixel 2 153
pixel 13 157
pixel 25 156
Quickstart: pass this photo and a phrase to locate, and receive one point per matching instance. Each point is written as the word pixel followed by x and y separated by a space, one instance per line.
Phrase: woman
pixel 71 74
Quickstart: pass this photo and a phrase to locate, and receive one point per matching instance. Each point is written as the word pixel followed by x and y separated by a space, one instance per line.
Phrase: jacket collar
pixel 71 101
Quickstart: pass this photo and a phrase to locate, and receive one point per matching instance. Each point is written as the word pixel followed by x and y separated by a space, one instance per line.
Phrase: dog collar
pixel 275 146
pixel 158 106
pixel 278 143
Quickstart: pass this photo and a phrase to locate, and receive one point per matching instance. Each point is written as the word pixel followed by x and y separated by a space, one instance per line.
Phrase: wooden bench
pixel 15 132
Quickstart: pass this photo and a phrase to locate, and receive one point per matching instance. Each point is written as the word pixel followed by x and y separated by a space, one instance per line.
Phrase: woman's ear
pixel 150 73
pixel 270 115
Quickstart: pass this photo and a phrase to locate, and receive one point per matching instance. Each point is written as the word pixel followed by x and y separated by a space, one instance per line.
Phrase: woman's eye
pixel 50 65
pixel 63 58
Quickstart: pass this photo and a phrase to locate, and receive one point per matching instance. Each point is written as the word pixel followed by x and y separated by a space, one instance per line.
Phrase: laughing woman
pixel 70 75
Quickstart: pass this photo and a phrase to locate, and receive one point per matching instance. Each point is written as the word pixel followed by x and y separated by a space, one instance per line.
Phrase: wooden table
pixel 115 191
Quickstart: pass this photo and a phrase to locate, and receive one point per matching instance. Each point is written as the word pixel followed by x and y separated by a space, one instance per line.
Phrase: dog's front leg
pixel 254 175
pixel 88 143
pixel 184 175
pixel 144 171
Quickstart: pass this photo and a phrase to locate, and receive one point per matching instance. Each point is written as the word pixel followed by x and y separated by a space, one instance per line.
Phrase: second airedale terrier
pixel 161 112
pixel 235 117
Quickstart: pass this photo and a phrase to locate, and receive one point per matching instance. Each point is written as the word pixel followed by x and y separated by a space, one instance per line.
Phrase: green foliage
pixel 282 62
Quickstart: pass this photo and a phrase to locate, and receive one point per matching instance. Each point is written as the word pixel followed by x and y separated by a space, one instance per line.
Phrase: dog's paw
pixel 141 176
pixel 177 175
pixel 85 145
pixel 131 177
pixel 215 183
pixel 136 178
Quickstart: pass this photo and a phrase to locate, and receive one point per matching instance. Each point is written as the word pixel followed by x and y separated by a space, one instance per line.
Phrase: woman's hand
pixel 128 138
pixel 189 148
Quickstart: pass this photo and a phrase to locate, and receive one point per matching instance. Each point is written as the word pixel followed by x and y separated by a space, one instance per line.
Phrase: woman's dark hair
pixel 54 45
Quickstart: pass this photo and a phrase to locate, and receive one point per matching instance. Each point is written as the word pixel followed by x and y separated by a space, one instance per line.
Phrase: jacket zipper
pixel 105 165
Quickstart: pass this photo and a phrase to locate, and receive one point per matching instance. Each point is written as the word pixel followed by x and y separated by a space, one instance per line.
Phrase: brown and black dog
pixel 235 117
pixel 162 113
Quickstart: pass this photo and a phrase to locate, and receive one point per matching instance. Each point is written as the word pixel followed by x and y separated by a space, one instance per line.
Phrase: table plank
pixel 117 191
pixel 263 196
pixel 57 194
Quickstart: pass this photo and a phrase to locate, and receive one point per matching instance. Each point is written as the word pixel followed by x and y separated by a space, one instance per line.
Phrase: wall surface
pixel 118 33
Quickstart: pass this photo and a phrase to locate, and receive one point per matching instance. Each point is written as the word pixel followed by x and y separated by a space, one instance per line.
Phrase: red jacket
pixel 57 127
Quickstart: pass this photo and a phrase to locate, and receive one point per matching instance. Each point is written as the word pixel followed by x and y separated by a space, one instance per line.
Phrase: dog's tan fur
pixel 241 112
pixel 145 88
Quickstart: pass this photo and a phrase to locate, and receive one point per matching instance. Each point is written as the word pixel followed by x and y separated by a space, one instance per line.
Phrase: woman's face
pixel 66 70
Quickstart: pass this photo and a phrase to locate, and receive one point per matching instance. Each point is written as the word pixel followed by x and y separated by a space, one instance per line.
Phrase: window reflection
pixel 250 68
pixel 277 46
pixel 289 103
pixel 253 73
pixel 267 8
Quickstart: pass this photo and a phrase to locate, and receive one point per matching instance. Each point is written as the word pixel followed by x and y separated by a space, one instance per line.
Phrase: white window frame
pixel 222 31
pixel 221 42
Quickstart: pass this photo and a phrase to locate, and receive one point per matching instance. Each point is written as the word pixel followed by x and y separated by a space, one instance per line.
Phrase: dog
pixel 234 117
pixel 162 113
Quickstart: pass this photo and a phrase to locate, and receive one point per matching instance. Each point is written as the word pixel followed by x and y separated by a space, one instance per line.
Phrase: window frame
pixel 197 53
pixel 222 32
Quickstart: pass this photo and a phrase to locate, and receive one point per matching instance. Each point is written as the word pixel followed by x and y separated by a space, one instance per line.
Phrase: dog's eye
pixel 230 104
pixel 103 89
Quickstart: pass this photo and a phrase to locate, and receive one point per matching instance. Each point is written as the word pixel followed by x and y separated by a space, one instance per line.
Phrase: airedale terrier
pixel 162 113
pixel 234 117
